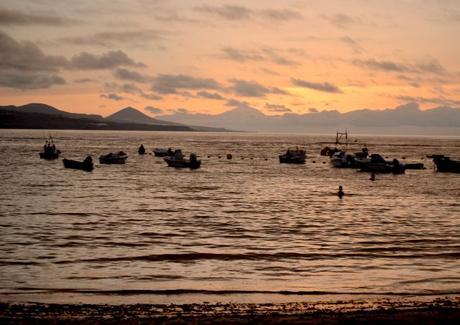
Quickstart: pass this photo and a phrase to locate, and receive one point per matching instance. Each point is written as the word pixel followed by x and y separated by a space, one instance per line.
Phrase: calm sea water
pixel 241 226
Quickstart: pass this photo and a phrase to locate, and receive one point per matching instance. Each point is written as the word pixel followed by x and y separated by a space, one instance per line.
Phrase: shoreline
pixel 442 310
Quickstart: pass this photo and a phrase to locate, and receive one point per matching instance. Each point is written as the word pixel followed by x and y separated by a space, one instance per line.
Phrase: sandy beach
pixel 440 310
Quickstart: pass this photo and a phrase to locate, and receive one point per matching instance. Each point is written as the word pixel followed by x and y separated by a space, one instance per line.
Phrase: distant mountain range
pixel 405 119
pixel 43 116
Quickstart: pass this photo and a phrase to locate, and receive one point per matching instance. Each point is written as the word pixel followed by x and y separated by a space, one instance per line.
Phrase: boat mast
pixel 341 135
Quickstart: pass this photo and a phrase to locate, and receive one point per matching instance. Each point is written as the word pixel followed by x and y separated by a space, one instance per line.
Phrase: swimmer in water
pixel 340 193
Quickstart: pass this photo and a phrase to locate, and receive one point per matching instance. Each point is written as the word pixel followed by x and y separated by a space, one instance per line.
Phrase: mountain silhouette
pixel 40 108
pixel 43 116
pixel 132 115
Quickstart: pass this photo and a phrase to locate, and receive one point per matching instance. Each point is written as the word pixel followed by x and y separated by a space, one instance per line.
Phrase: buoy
pixel 314 161
pixel 219 157
pixel 229 156
pixel 209 156
pixel 242 158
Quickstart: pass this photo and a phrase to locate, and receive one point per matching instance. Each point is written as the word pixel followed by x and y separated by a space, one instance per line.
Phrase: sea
pixel 246 229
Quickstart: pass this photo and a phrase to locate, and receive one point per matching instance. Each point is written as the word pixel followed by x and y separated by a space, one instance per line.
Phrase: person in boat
pixel 340 193
pixel 170 152
pixel 192 158
pixel 88 161
pixel 178 154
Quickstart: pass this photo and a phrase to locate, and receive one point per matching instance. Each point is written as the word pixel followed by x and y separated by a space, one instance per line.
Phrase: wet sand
pixel 441 310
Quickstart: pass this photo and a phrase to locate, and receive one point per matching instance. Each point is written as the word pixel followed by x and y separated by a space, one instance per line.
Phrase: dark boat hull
pixel 73 164
pixel 414 166
pixel 113 159
pixel 183 163
pixel 291 160
pixel 383 168
pixel 49 156
pixel 446 165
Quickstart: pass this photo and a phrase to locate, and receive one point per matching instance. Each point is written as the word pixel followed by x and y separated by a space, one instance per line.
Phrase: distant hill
pixel 47 109
pixel 17 119
pixel 132 115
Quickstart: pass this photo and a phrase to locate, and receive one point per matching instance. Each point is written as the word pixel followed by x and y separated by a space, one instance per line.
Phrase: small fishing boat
pixel 113 158
pixel 341 159
pixel 379 165
pixel 179 161
pixel 293 156
pixel 328 151
pixel 161 152
pixel 49 151
pixel 86 164
pixel 445 164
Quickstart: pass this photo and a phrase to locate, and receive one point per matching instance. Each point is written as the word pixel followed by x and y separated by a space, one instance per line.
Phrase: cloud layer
pixel 325 86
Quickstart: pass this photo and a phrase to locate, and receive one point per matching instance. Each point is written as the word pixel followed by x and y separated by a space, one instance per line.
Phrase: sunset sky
pixel 209 56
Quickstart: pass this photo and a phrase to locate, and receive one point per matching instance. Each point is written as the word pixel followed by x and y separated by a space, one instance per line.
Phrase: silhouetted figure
pixel 141 150
pixel 372 178
pixel 88 161
pixel 340 193
pixel 170 152
pixel 178 154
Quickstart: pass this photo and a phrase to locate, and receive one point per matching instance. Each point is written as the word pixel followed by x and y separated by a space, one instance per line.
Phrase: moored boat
pixel 86 164
pixel 293 156
pixel 161 152
pixel 342 159
pixel 49 151
pixel 445 164
pixel 113 158
pixel 179 161
pixel 379 165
